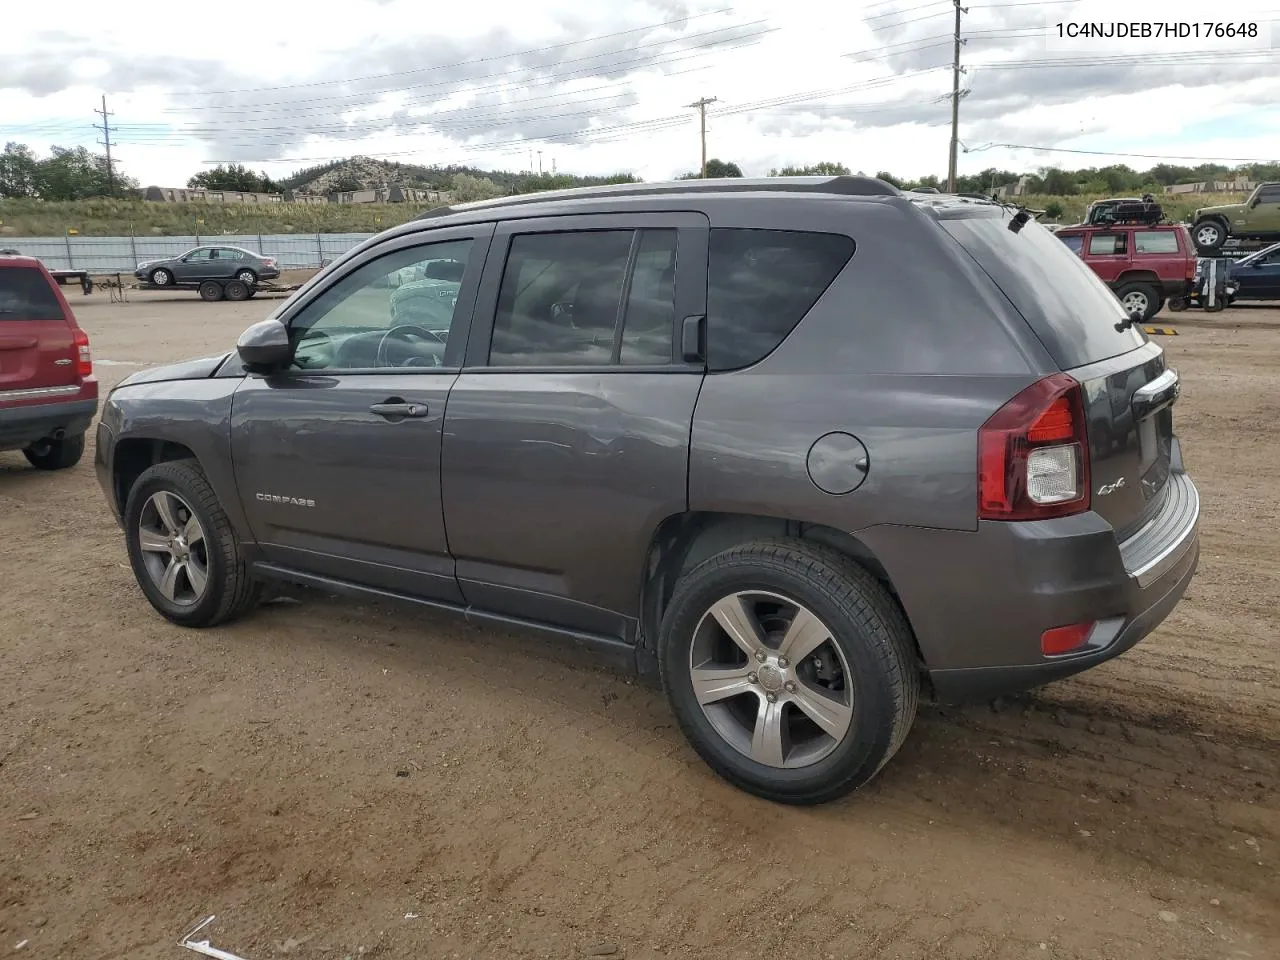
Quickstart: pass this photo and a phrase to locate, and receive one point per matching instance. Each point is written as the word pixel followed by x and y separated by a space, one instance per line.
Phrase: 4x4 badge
pixel 1107 488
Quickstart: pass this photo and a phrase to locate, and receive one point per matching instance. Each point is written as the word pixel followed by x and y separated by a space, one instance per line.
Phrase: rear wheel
pixel 56 454
pixel 1209 235
pixel 237 291
pixel 184 553
pixel 1140 300
pixel 247 277
pixel 211 291
pixel 790 669
pixel 161 277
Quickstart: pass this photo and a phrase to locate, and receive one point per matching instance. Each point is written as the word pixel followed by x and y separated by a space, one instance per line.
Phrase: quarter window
pixel 1160 241
pixel 561 302
pixel 1074 242
pixel 395 311
pixel 761 283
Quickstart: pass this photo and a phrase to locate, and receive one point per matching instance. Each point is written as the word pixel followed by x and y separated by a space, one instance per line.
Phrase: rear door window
pixel 760 284
pixel 1073 313
pixel 1108 244
pixel 25 294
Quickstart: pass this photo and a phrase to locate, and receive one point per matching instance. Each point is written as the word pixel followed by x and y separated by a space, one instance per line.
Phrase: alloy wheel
pixel 770 678
pixel 1136 303
pixel 174 551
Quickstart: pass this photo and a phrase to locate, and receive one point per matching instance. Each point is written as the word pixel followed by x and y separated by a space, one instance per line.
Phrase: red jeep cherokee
pixel 48 393
pixel 1143 265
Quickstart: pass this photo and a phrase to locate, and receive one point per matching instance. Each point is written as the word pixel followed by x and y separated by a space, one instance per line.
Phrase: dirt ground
pixel 336 780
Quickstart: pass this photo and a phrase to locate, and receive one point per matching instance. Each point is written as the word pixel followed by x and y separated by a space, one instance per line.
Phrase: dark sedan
pixel 209 263
pixel 1257 276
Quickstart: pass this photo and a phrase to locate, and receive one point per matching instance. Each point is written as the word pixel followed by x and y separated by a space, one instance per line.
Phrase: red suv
pixel 1144 265
pixel 48 393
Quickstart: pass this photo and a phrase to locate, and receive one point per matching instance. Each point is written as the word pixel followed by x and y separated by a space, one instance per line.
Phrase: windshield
pixel 1074 313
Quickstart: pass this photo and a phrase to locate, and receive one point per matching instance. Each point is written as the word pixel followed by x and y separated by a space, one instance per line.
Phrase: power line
pixel 1113 153
pixel 465 63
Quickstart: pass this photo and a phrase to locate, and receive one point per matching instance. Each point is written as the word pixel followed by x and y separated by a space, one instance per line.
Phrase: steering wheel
pixel 400 329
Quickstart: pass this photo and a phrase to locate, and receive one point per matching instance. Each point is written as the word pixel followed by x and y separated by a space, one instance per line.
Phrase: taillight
pixel 84 358
pixel 1033 454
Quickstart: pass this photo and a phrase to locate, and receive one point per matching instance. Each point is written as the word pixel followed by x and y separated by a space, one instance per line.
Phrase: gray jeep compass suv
pixel 800 447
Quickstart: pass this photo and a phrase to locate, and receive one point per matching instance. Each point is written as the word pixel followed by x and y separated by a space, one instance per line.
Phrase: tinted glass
pixel 558 303
pixel 1074 242
pixel 1107 244
pixel 391 312
pixel 1161 241
pixel 760 284
pixel 1269 195
pixel 1072 311
pixel 26 295
pixel 649 326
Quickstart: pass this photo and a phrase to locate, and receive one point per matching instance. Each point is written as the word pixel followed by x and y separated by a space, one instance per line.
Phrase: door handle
pixel 396 409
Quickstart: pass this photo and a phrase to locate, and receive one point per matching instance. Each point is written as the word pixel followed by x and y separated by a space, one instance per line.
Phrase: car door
pixel 1107 252
pixel 567 434
pixel 225 262
pixel 1265 215
pixel 337 459
pixel 194 265
pixel 1264 279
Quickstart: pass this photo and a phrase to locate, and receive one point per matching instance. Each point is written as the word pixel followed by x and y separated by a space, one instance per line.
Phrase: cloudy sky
pixel 594 89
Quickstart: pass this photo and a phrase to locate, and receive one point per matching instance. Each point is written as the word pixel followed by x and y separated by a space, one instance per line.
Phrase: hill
pixel 364 173
pixel 116 218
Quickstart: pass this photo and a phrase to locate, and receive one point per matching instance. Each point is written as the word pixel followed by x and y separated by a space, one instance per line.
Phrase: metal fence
pixel 293 251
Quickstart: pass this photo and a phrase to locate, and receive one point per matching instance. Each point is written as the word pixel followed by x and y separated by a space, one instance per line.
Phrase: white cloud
pixel 789 95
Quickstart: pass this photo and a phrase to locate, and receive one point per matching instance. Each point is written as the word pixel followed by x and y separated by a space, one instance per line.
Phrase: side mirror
pixel 265 347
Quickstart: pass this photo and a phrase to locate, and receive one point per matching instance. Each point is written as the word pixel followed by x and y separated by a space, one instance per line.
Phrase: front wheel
pixel 161 278
pixel 57 454
pixel 210 291
pixel 182 548
pixel 790 669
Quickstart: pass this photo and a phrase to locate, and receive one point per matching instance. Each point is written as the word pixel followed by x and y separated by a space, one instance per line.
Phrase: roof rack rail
pixel 846 186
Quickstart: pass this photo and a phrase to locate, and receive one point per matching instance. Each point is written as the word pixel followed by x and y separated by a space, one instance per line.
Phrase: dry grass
pixel 117 218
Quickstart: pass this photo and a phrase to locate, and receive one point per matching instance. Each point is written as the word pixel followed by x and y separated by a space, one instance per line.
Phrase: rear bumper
pixel 979 602
pixel 22 426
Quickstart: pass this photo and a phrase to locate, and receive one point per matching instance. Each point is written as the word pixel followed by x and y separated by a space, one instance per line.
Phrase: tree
pixel 19 171
pixel 715 169
pixel 467 188
pixel 73 173
pixel 826 168
pixel 234 176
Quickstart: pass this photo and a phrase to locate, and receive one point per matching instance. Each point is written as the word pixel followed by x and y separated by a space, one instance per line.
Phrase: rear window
pixel 760 284
pixel 25 294
pixel 1072 312
pixel 1160 241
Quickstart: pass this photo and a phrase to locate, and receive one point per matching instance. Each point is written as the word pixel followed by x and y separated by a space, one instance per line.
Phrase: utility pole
pixel 955 106
pixel 106 142
pixel 701 106
pixel 539 163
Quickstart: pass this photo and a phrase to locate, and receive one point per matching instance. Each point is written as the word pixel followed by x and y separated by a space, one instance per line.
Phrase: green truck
pixel 1258 218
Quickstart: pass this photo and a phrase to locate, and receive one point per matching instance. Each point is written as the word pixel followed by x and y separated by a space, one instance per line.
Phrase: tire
pixel 211 291
pixel 1214 307
pixel 1143 297
pixel 237 291
pixel 247 277
pixel 1178 304
pixel 214 557
pixel 161 277
pixel 1209 236
pixel 867 640
pixel 57 454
